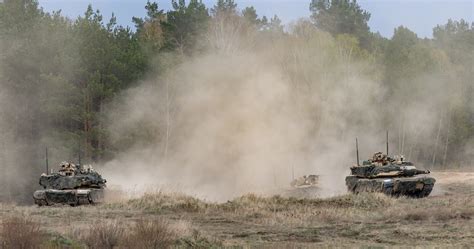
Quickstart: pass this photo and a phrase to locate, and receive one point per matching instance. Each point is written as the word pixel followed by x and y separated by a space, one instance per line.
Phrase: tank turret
pixel 305 181
pixel 383 166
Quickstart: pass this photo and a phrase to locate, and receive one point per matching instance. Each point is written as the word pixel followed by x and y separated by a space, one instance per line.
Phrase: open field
pixel 445 219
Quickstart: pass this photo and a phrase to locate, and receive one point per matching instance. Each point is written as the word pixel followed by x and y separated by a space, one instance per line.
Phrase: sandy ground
pixel 444 219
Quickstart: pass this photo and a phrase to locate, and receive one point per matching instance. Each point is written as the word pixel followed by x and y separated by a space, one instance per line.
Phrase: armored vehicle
pixel 305 181
pixel 72 184
pixel 302 187
pixel 392 176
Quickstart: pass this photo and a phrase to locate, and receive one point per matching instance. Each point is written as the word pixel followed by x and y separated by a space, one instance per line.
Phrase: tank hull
pixel 73 197
pixel 418 186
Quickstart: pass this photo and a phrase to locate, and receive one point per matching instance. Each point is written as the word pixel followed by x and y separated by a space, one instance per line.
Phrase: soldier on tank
pixel 67 169
pixel 380 159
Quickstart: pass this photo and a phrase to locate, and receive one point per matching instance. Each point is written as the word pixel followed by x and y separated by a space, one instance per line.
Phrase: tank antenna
pixel 47 166
pixel 387 142
pixel 357 152
pixel 79 154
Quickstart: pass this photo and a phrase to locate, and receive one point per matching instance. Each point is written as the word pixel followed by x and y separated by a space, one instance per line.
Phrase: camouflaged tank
pixel 394 177
pixel 72 185
pixel 305 181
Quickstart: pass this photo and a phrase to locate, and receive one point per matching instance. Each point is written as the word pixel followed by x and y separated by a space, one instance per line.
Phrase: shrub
pixel 21 233
pixel 151 234
pixel 102 235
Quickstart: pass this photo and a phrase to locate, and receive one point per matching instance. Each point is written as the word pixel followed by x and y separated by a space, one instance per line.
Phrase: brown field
pixel 157 220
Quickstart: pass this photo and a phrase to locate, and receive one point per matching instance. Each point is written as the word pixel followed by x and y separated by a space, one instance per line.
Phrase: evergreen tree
pixel 224 8
pixel 341 17
pixel 185 25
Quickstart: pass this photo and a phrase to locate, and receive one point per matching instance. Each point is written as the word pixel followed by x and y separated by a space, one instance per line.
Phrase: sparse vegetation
pixel 161 202
pixel 20 232
pixel 102 234
pixel 151 234
pixel 364 220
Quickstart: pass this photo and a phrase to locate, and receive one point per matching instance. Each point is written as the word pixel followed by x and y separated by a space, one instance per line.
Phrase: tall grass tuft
pixel 102 235
pixel 151 234
pixel 20 233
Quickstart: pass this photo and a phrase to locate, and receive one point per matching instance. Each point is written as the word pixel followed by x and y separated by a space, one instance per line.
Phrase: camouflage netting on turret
pixel 72 184
pixel 57 181
pixel 371 171
pixel 310 180
pixel 394 177
pixel 71 176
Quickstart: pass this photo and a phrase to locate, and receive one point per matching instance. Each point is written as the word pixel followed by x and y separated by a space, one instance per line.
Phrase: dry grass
pixel 151 234
pixel 292 212
pixel 101 235
pixel 159 220
pixel 160 202
pixel 143 233
pixel 21 233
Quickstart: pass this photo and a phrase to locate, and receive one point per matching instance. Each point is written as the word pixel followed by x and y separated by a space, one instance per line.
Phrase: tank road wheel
pixel 388 191
pixel 425 192
pixel 41 203
pixel 83 200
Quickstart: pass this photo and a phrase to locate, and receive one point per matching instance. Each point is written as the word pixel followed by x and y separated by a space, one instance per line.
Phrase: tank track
pixel 77 197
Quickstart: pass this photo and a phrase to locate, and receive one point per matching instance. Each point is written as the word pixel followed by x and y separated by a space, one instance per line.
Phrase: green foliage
pixel 224 7
pixel 456 37
pixel 250 15
pixel 275 25
pixel 110 60
pixel 341 17
pixel 185 25
pixel 61 72
pixel 150 30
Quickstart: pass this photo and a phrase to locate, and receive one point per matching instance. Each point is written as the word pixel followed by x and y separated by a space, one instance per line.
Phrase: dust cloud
pixel 227 123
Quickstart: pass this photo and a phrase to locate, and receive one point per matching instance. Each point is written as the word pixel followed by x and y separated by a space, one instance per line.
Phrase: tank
pixel 302 187
pixel 72 184
pixel 305 181
pixel 392 176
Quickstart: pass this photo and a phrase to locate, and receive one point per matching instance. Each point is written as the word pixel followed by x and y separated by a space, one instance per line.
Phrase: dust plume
pixel 226 123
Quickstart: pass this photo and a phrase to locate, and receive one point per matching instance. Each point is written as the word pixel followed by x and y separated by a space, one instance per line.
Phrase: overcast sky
pixel 418 15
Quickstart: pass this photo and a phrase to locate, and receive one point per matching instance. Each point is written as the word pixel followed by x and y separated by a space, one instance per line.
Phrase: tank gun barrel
pixel 419 171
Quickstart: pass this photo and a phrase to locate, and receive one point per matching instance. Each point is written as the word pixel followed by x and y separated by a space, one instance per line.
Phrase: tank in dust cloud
pixel 392 176
pixel 302 187
pixel 72 184
pixel 305 181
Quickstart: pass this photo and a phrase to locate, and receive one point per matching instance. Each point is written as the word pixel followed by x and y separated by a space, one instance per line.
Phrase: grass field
pixel 157 220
